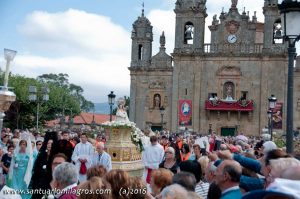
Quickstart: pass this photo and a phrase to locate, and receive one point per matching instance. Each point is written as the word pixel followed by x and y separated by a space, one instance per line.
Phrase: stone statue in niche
pixel 157 101
pixel 229 91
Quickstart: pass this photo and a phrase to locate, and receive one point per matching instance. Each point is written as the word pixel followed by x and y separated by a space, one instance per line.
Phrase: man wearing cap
pixel 227 177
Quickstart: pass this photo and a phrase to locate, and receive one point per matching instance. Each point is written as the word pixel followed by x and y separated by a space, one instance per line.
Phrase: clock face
pixel 231 38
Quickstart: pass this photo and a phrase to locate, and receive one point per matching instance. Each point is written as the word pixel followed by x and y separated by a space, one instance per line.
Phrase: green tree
pixel 64 99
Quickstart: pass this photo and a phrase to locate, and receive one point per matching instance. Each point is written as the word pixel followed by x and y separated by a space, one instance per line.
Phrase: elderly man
pixel 65 178
pixel 82 156
pixel 174 191
pixel 101 157
pixel 227 177
pixel 152 157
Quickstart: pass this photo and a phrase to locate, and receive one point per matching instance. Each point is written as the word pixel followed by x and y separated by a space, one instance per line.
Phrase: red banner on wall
pixel 185 112
pixel 277 116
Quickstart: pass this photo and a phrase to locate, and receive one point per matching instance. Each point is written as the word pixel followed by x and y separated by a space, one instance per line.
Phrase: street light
pixel 290 17
pixel 33 97
pixel 111 102
pixel 6 96
pixel 270 128
pixel 272 104
pixel 9 56
pixel 162 112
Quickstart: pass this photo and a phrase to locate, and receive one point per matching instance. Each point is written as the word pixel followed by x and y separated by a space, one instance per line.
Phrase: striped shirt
pixel 202 189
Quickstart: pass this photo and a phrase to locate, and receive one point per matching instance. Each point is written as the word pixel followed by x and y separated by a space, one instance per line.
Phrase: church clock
pixel 232 38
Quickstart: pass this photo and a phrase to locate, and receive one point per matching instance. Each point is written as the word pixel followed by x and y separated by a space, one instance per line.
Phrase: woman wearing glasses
pixel 170 161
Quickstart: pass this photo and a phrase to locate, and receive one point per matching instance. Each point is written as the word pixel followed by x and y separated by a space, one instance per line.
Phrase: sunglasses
pixel 38 144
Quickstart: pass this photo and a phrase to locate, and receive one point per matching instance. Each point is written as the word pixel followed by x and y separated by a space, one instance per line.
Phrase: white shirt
pixel 153 155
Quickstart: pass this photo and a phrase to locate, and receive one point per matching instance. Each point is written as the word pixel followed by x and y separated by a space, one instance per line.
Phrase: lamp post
pixel 34 97
pixel 162 112
pixel 209 129
pixel 290 17
pixel 270 128
pixel 6 96
pixel 272 104
pixel 111 102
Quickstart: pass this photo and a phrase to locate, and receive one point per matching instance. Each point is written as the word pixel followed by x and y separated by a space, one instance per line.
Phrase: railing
pixel 233 105
pixel 234 48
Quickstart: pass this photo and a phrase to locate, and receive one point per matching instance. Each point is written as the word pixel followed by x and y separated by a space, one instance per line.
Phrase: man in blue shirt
pixel 101 157
pixel 227 177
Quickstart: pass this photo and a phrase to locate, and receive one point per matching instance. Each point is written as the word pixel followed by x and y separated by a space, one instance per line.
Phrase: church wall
pixel 259 76
pixel 145 112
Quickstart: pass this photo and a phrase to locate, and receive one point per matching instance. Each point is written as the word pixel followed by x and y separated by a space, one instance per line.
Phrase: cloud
pixel 90 48
pixel 164 20
pixel 74 31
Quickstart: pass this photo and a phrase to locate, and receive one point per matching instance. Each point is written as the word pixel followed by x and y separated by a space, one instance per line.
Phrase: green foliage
pixel 64 99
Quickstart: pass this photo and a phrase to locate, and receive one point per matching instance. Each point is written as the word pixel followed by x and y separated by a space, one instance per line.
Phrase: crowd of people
pixel 177 166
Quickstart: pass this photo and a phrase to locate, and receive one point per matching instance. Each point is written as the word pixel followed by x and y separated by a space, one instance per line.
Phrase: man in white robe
pixel 101 157
pixel 83 155
pixel 152 156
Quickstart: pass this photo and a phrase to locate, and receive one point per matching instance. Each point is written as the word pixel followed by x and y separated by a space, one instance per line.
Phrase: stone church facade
pixel 222 86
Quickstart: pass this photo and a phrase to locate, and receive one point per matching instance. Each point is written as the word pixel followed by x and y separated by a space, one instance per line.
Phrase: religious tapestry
pixel 185 112
pixel 277 116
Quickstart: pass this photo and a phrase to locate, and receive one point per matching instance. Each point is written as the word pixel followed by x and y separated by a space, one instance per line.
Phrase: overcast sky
pixel 89 39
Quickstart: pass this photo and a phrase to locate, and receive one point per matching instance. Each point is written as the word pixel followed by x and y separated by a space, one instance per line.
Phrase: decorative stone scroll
pixel 157 85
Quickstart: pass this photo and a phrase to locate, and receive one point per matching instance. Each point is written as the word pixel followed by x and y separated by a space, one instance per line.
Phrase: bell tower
pixel 142 38
pixel 190 25
pixel 272 24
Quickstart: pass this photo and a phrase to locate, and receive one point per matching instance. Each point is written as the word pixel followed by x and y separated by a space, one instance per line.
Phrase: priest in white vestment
pixel 82 156
pixel 152 156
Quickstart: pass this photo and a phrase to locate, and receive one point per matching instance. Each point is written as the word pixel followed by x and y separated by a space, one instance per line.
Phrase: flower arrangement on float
pixel 137 136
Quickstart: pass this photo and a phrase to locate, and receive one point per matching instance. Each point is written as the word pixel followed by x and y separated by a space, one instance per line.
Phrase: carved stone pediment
pixel 229 71
pixel 232 26
pixel 157 85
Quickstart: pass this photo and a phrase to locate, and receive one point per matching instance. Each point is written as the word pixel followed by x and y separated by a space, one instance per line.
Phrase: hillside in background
pixel 102 108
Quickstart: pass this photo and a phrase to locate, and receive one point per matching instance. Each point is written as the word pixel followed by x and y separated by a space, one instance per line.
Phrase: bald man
pixel 101 157
pixel 227 177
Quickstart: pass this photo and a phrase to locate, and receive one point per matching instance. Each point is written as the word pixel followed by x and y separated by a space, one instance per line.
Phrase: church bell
pixel 188 35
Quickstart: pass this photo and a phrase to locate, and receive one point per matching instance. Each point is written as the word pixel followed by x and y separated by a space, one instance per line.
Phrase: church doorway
pixel 225 131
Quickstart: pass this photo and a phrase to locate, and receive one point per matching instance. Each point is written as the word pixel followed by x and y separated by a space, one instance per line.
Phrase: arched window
pixel 156 101
pixel 228 91
pixel 188 33
pixel 140 52
pixel 277 32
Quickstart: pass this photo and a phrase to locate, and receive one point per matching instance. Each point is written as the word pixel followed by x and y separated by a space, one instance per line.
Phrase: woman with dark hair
pixel 185 152
pixel 42 166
